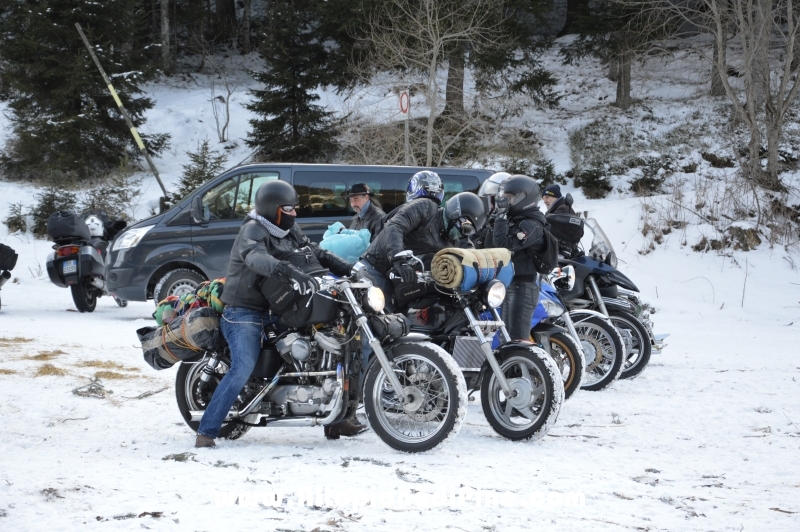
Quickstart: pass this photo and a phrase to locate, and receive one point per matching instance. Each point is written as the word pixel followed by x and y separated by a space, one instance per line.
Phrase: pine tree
pixel 205 164
pixel 292 127
pixel 61 112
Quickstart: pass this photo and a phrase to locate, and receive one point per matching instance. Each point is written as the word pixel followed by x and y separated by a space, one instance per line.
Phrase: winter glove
pixel 501 204
pixel 404 272
pixel 307 283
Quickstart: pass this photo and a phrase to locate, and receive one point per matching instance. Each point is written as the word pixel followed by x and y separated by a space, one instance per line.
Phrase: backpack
pixel 546 260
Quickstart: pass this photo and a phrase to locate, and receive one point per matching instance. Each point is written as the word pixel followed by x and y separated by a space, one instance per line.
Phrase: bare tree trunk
pixel 246 27
pixel 165 57
pixel 624 99
pixel 433 96
pixel 454 93
pixel 226 18
pixel 760 64
pixel 613 69
pixel 717 88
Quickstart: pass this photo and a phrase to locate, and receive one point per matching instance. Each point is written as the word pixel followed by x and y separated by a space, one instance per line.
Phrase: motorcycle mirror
pixel 198 215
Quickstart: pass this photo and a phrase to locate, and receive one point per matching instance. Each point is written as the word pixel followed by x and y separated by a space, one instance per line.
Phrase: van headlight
pixel 495 294
pixel 375 299
pixel 130 238
pixel 552 308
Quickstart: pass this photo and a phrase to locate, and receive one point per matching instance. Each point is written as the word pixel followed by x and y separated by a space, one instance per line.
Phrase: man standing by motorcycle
pixel 369 215
pixel 519 227
pixel 265 246
pixel 555 202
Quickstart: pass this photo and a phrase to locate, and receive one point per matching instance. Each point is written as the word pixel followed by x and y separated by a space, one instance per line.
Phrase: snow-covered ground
pixel 707 438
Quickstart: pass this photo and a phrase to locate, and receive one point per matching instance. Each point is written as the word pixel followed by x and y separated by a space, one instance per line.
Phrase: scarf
pixel 273 229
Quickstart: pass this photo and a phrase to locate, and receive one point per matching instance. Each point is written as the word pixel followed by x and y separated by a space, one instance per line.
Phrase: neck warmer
pixel 273 229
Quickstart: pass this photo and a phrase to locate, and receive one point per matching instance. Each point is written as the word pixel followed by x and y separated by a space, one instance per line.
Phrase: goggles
pixel 287 208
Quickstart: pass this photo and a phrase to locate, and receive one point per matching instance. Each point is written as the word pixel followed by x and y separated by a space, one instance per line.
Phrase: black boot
pixel 345 427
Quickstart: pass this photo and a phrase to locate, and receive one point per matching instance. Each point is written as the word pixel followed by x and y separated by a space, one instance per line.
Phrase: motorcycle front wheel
pixel 604 350
pixel 637 342
pixel 538 393
pixel 570 362
pixel 84 295
pixel 436 392
pixel 191 395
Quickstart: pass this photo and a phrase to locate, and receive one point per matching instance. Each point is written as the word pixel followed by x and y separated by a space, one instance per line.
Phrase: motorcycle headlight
pixel 495 294
pixel 611 259
pixel 375 299
pixel 130 238
pixel 552 308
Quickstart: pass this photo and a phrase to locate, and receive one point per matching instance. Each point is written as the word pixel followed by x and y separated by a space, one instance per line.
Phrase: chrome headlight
pixel 611 259
pixel 375 299
pixel 130 238
pixel 552 308
pixel 495 294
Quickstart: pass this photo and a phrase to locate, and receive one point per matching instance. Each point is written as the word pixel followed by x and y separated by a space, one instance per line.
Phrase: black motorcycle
pixel 78 261
pixel 414 396
pixel 8 259
pixel 521 387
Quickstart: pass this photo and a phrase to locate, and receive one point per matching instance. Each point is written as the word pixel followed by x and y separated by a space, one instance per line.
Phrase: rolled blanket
pixel 503 267
pixel 455 268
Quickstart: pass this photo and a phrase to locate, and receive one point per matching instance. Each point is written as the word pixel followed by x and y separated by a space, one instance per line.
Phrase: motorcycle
pixel 414 396
pixel 8 259
pixel 521 386
pixel 598 288
pixel 78 261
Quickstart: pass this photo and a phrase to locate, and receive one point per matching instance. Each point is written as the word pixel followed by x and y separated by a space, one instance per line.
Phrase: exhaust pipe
pixel 4 277
pixel 97 282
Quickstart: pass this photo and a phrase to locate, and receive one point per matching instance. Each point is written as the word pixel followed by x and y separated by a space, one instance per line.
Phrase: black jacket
pixel 417 225
pixel 256 253
pixel 560 207
pixel 523 235
pixel 372 220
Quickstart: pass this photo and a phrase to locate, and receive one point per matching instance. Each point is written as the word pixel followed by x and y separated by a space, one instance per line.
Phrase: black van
pixel 171 253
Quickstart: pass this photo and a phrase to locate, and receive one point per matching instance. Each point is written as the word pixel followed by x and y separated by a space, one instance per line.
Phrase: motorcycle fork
pixel 375 344
pixel 486 345
pixel 574 333
pixel 598 299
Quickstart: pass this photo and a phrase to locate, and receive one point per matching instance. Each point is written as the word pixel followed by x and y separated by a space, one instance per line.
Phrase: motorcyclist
pixel 487 193
pixel 264 246
pixel 519 226
pixel 555 202
pixel 369 214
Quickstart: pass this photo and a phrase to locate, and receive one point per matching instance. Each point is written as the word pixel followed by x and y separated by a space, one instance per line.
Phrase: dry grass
pixel 16 340
pixel 105 364
pixel 4 371
pixel 113 375
pixel 49 370
pixel 45 355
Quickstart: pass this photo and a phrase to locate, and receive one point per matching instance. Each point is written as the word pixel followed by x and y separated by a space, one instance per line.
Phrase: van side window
pixel 219 201
pixel 248 185
pixel 453 184
pixel 322 193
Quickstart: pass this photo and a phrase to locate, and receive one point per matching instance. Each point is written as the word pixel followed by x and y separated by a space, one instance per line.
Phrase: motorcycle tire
pixel 604 350
pixel 84 295
pixel 637 341
pixel 524 417
pixel 176 283
pixel 431 378
pixel 570 361
pixel 191 397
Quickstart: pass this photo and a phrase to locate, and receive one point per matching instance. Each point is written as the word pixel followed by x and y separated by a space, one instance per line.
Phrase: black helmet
pixel 524 191
pixel 271 195
pixel 464 212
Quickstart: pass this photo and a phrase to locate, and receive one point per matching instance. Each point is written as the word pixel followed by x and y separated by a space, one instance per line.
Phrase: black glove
pixel 501 204
pixel 404 272
pixel 306 282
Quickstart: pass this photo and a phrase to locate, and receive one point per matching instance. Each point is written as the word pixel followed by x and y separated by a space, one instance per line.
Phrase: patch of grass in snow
pixel 45 355
pixel 49 370
pixel 113 375
pixel 9 342
pixel 4 371
pixel 105 364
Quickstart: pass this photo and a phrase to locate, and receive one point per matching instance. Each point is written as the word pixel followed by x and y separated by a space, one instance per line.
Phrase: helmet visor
pixel 514 199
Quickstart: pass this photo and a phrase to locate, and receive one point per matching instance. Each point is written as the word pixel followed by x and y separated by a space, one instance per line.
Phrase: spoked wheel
pixel 637 343
pixel 604 351
pixel 85 296
pixel 537 394
pixel 570 361
pixel 436 392
pixel 193 395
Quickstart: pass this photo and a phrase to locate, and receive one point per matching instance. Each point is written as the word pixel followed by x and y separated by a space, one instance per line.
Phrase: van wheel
pixel 176 283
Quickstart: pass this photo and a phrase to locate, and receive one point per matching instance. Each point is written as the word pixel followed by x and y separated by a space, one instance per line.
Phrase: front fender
pixel 504 349
pixel 584 314
pixel 409 338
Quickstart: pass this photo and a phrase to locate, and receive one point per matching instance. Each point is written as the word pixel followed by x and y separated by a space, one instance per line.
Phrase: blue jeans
pixel 242 328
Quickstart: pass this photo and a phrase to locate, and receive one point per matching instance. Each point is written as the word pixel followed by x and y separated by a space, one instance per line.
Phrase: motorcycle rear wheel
pixel 85 296
pixel 639 348
pixel 438 393
pixel 191 397
pixel 539 388
pixel 604 350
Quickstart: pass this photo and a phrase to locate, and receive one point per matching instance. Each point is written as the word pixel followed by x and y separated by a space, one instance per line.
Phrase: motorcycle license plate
pixel 70 266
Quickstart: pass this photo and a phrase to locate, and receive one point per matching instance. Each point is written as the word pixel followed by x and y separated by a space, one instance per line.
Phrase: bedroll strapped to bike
pixel 464 269
pixel 184 338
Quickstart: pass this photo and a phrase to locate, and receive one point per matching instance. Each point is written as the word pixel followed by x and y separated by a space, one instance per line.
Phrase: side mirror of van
pixel 198 216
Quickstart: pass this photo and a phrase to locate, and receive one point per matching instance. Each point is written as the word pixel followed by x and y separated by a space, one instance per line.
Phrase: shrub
pixel 594 182
pixel 205 164
pixel 52 198
pixel 15 221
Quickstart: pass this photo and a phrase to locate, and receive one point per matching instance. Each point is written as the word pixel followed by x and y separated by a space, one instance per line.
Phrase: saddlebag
pixel 66 225
pixel 566 227
pixel 186 338
pixel 388 327
pixel 8 258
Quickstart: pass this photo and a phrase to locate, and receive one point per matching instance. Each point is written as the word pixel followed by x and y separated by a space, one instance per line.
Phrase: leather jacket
pixel 560 207
pixel 522 234
pixel 256 253
pixel 417 226
pixel 372 220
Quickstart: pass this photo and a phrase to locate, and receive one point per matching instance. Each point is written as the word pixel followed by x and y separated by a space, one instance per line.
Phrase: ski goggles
pixel 287 208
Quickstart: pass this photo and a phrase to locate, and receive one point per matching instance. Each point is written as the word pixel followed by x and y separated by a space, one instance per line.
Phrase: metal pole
pixel 124 112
